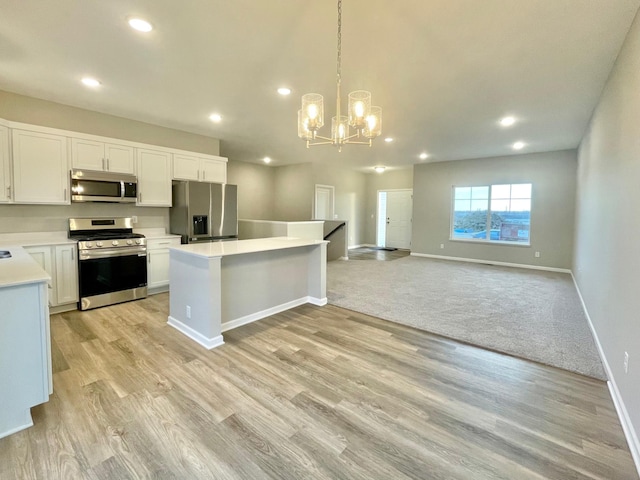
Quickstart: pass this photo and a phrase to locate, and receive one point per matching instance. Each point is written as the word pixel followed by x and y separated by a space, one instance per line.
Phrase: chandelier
pixel 360 126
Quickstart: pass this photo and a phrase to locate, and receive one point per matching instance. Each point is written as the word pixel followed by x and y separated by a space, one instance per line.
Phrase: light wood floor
pixel 370 253
pixel 315 392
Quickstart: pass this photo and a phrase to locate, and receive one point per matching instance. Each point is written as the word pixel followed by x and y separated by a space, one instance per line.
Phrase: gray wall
pixel 19 108
pixel 293 192
pixel 350 193
pixel 552 218
pixel 256 187
pixel 607 241
pixel 388 180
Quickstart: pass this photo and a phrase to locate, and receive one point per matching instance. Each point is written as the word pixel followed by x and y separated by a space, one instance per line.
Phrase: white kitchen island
pixel 218 286
pixel 25 342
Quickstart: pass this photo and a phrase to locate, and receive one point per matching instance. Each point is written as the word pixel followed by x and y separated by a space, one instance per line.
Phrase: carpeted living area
pixel 527 313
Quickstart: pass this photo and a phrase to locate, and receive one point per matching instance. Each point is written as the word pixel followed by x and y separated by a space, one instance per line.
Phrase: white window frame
pixel 484 240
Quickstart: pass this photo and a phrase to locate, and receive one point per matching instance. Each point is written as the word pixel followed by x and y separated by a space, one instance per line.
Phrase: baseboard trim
pixel 238 322
pixel 618 402
pixel 28 423
pixel 492 262
pixel 208 343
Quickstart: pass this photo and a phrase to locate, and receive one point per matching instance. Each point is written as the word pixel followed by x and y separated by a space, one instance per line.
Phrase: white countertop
pixel 239 247
pixel 33 239
pixel 20 269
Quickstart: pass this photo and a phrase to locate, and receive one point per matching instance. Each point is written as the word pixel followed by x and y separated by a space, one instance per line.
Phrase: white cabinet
pixel 100 156
pixel 41 168
pixel 154 178
pixel 66 274
pixel 60 262
pixel 25 354
pixel 158 261
pixel 5 172
pixel 200 168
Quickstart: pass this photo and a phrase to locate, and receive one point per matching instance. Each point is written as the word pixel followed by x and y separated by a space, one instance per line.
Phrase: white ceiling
pixel 444 71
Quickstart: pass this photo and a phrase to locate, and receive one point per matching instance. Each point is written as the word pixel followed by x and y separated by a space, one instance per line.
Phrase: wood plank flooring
pixel 370 253
pixel 311 393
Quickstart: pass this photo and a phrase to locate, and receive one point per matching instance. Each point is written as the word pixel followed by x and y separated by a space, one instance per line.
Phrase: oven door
pixel 111 276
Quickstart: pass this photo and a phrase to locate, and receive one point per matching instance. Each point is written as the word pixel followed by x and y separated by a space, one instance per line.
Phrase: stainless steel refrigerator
pixel 204 212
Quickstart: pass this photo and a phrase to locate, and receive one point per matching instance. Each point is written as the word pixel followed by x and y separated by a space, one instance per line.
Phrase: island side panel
pixel 258 284
pixel 195 282
pixel 317 277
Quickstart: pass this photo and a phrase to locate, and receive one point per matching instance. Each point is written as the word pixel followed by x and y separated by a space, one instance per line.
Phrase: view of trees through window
pixel 500 213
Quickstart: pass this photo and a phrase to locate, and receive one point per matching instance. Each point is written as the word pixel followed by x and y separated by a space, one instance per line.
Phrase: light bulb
pixel 358 108
pixel 312 111
pixel 372 121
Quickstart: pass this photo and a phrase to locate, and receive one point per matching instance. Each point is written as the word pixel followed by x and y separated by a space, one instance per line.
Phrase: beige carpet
pixel 527 313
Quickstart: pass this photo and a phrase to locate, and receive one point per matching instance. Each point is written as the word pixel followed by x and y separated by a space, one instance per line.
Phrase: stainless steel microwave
pixel 91 186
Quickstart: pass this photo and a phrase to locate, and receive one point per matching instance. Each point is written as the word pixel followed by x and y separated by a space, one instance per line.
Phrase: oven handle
pixel 113 252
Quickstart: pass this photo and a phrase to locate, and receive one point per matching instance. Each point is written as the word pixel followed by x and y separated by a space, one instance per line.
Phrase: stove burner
pixel 105 236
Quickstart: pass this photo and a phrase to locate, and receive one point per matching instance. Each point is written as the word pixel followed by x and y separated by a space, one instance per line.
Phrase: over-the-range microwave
pixel 92 186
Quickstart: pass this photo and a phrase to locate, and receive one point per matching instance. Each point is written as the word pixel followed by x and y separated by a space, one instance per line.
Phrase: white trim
pixel 208 343
pixel 238 322
pixel 493 262
pixel 618 402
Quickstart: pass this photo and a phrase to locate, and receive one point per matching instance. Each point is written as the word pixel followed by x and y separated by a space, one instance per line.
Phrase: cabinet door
pixel 87 154
pixel 41 170
pixel 66 274
pixel 214 170
pixel 119 158
pixel 5 173
pixel 154 178
pixel 42 255
pixel 186 167
pixel 157 268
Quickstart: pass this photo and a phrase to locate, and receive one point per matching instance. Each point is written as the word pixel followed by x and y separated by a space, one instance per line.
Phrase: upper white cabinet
pixel 106 157
pixel 41 168
pixel 154 178
pixel 5 171
pixel 200 168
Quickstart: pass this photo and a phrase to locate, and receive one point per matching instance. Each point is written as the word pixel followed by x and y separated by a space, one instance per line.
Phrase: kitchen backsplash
pixel 54 218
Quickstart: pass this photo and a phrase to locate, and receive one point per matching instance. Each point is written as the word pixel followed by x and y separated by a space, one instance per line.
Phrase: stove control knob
pixel 114 243
pixel 138 241
pixel 88 244
pixel 129 242
pixel 98 244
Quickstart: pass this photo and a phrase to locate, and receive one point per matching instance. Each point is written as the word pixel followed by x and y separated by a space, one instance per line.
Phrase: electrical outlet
pixel 442 245
pixel 188 311
pixel 134 219
pixel 626 362
pixel 537 254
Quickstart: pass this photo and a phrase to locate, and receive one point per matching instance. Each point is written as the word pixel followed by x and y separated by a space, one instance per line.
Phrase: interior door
pixel 324 202
pixel 399 213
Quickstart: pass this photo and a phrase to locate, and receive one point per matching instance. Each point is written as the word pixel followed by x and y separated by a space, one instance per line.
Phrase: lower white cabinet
pixel 158 261
pixel 61 263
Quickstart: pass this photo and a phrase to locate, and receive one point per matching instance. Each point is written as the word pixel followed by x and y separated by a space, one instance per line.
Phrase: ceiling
pixel 444 71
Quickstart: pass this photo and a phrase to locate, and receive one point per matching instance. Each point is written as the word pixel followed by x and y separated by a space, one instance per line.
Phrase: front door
pixel 399 212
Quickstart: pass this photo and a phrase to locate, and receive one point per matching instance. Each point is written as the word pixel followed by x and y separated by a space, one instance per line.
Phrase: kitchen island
pixel 218 286
pixel 25 341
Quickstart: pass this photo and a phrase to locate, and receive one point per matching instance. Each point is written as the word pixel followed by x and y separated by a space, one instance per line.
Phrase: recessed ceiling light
pixel 507 121
pixel 140 25
pixel 518 145
pixel 423 156
pixel 215 117
pixel 379 169
pixel 388 139
pixel 284 91
pixel 90 82
pixel 266 160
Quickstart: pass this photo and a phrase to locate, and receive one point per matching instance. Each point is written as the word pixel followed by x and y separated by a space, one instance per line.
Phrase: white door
pixel 66 274
pixel 119 158
pixel 399 212
pixel 154 178
pixel 324 202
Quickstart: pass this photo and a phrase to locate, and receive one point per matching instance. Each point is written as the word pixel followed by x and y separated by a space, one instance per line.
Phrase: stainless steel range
pixel 112 261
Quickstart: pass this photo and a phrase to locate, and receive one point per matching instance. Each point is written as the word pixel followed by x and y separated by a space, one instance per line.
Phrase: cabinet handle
pixel 65 194
pixel 198 174
pixel 204 174
pixel 108 165
pixel 148 258
pixel 9 192
pixel 73 256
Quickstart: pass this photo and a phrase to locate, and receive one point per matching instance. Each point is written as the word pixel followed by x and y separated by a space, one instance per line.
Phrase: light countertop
pixel 239 247
pixel 33 239
pixel 20 269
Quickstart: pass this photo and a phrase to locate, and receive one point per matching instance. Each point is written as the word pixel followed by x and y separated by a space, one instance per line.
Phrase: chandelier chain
pixel 339 60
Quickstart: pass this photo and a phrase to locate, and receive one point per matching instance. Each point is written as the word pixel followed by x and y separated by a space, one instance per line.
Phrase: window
pixel 492 213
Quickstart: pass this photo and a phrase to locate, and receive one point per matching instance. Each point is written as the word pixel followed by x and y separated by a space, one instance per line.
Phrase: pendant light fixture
pixel 364 120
